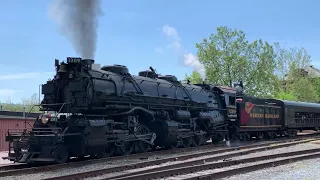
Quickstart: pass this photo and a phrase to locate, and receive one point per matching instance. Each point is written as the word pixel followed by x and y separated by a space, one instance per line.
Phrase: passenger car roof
pixel 301 104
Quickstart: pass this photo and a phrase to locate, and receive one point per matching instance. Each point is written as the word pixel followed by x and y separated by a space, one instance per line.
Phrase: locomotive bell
pixel 62 68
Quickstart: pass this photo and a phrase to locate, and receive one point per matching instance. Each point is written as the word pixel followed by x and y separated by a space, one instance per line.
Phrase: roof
pixel 227 89
pixel 16 117
pixel 300 104
pixel 311 70
pixel 17 114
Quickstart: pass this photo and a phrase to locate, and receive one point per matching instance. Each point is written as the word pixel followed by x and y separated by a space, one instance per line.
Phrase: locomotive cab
pixel 230 100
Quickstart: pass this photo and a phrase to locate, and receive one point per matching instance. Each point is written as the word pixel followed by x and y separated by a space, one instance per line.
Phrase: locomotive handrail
pixel 54 104
pixel 41 131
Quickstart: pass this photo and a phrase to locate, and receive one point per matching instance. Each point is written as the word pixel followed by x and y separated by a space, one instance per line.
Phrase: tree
pixel 222 54
pixel 285 96
pixel 28 103
pixel 293 79
pixel 260 78
pixel 194 78
pixel 303 90
pixel 228 57
pixel 317 86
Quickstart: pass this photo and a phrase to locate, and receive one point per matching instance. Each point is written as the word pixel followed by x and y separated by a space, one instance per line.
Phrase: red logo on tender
pixel 248 107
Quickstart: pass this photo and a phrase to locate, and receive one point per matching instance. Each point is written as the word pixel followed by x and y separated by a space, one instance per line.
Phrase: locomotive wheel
pixel 81 158
pixel 244 137
pixel 125 149
pixel 99 155
pixel 271 135
pixel 142 146
pixel 110 150
pixel 186 142
pixel 260 135
pixel 217 138
pixel 199 140
pixel 60 154
pixel 292 133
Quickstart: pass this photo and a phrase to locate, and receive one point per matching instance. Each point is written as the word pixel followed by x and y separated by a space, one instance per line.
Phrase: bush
pixel 28 103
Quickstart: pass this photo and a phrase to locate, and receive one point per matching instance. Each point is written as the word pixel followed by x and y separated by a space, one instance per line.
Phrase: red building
pixel 13 121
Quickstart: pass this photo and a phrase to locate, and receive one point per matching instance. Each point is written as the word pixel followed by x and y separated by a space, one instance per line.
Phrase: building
pixel 14 122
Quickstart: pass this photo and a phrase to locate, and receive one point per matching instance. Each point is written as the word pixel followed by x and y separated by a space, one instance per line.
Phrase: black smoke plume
pixel 78 21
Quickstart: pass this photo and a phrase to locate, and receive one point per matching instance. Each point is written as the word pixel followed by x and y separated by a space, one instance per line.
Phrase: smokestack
pixel 78 21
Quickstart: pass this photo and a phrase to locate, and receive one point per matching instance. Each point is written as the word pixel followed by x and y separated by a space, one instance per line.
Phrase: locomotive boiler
pixel 109 111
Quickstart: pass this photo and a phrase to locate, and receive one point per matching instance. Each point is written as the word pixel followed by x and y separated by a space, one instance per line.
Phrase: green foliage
pixel 303 86
pixel 285 96
pixel 266 70
pixel 317 85
pixel 304 90
pixel 194 78
pixel 228 57
pixel 223 54
pixel 28 103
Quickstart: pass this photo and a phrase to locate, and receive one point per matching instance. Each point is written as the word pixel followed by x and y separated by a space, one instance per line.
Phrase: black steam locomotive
pixel 108 111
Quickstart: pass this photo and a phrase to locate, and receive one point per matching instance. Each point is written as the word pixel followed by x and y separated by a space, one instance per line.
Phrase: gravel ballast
pixel 307 170
pixel 124 161
pixel 102 165
pixel 304 172
pixel 298 147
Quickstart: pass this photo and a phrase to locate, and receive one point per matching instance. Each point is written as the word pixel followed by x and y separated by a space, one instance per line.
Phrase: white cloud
pixel 189 59
pixel 193 61
pixel 171 32
pixel 31 75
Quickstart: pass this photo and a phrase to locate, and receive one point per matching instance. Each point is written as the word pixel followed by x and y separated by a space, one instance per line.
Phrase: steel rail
pixel 255 167
pixel 22 168
pixel 189 168
pixel 250 149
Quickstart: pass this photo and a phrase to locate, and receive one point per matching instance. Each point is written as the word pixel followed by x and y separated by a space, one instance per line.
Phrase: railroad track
pixel 6 171
pixel 179 162
pixel 26 168
pixel 88 161
pixel 185 171
pixel 287 158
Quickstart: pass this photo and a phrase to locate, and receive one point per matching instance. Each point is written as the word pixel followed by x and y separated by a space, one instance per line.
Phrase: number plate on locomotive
pixel 73 60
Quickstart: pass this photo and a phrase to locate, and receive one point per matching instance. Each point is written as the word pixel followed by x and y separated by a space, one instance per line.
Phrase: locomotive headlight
pixel 44 119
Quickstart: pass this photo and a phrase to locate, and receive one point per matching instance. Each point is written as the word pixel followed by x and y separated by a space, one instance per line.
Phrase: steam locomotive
pixel 109 111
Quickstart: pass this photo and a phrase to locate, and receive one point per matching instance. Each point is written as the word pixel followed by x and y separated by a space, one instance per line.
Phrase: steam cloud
pixel 78 21
pixel 188 59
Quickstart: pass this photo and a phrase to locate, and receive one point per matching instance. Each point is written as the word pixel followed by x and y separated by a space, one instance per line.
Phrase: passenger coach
pixel 301 115
pixel 267 118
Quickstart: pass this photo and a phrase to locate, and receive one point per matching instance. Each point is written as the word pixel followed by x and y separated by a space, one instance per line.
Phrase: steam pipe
pixel 132 111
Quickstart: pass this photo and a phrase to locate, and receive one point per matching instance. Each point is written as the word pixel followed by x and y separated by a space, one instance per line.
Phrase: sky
pixel 143 33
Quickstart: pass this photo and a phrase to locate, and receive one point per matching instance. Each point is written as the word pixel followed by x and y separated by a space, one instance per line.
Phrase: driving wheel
pixel 60 154
pixel 142 146
pixel 125 149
